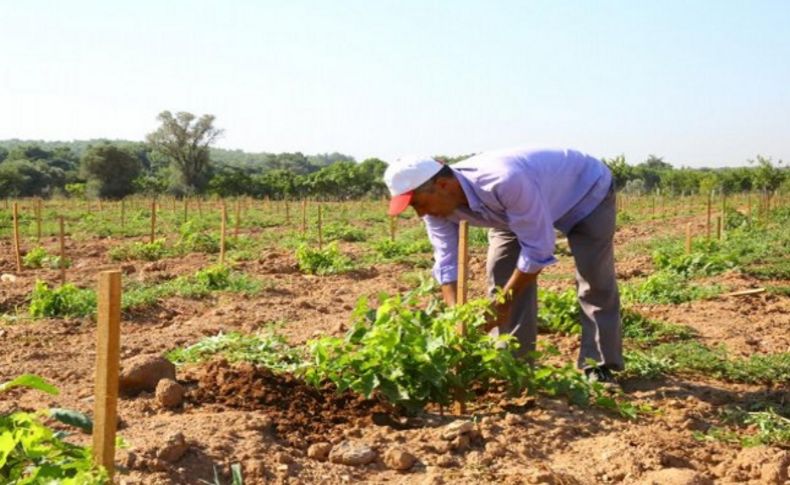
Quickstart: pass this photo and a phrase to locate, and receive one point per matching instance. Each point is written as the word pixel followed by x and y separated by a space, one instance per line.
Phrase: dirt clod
pixel 455 428
pixel 319 451
pixel 674 476
pixel 169 393
pixel 399 459
pixel 143 373
pixel 173 449
pixel 352 454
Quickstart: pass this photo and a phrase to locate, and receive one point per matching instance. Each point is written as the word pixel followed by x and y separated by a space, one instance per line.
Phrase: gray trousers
pixel 591 242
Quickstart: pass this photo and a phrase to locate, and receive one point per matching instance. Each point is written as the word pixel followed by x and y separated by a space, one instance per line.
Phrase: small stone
pixel 455 428
pixel 319 451
pixel 447 461
pixel 353 454
pixel 513 419
pixel 399 459
pixel 174 448
pixel 169 393
pixel 143 373
pixel 8 278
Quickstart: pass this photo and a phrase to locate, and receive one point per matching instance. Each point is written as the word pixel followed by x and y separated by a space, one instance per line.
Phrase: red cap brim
pixel 399 203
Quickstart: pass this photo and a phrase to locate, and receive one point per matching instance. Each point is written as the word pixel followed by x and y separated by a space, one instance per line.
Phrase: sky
pixel 699 83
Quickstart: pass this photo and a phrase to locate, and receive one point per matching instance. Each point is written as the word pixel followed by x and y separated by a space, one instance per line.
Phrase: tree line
pixel 177 158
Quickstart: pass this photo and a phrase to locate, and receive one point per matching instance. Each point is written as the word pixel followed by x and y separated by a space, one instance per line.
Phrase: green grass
pixel 762 426
pixel 326 261
pixel 691 357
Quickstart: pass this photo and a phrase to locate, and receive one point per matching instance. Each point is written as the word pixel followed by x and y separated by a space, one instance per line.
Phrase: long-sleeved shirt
pixel 530 193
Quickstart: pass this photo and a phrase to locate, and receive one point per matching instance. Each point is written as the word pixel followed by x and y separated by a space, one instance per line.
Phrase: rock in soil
pixel 456 428
pixel 319 451
pixel 174 449
pixel 399 459
pixel 674 476
pixel 143 373
pixel 353 454
pixel 169 393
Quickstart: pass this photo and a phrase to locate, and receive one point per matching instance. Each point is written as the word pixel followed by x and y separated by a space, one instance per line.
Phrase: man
pixel 523 195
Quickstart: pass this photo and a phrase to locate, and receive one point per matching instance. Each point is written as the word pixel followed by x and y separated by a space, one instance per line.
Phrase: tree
pixel 766 176
pixel 621 171
pixel 110 170
pixel 185 141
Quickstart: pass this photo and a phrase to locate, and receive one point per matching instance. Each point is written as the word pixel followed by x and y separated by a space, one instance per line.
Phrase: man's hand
pixel 515 285
pixel 501 315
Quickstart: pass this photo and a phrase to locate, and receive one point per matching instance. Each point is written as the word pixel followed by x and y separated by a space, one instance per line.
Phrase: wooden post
pixel 723 212
pixel 393 227
pixel 707 221
pixel 688 238
pixel 749 205
pixel 287 214
pixel 62 252
pixel 304 216
pixel 38 219
pixel 320 230
pixel 718 227
pixel 238 219
pixel 186 209
pixel 16 238
pixel 153 220
pixel 123 212
pixel 108 345
pixel 222 229
pixel 463 259
pixel 200 207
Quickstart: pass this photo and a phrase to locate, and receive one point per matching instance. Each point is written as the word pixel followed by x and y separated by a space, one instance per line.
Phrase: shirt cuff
pixel 527 265
pixel 446 274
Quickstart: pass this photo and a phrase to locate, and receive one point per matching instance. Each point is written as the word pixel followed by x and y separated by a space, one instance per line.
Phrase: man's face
pixel 434 201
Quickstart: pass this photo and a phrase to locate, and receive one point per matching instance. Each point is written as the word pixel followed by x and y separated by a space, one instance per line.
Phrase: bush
pixel 39 257
pixel 150 251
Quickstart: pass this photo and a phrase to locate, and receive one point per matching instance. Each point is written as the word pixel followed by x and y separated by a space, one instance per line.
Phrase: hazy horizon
pixel 701 84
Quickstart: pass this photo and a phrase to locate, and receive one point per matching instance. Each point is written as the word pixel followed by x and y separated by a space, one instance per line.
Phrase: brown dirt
pixel 245 415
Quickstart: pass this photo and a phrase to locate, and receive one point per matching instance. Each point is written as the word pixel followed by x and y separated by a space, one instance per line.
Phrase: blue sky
pixel 701 83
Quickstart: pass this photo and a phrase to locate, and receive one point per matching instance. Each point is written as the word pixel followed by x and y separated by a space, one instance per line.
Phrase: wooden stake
pixel 393 227
pixel 463 260
pixel 16 238
pixel 688 238
pixel 108 345
pixel 707 221
pixel 38 219
pixel 62 251
pixel 153 220
pixel 186 209
pixel 222 229
pixel 287 214
pixel 749 210
pixel 123 212
pixel 320 230
pixel 718 227
pixel 238 218
pixel 304 216
pixel 723 212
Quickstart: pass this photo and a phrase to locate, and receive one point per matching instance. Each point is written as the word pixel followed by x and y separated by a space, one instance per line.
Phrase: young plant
pixel 64 301
pixel 31 452
pixel 326 261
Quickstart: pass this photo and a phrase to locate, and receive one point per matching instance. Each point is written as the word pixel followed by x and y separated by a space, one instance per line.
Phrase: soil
pixel 265 422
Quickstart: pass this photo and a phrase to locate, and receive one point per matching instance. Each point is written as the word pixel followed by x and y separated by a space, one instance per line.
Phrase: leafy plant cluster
pixel 269 350
pixel 146 251
pixel 559 311
pixel 666 287
pixel 64 301
pixel 401 248
pixel 343 232
pixel 31 452
pixel 70 301
pixel 326 261
pixel 39 257
pixel 747 428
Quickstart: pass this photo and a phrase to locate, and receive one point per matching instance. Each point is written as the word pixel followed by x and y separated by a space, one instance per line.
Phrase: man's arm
pixel 515 285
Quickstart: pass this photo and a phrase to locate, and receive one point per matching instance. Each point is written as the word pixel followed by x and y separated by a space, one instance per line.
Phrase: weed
pixel 150 251
pixel 763 427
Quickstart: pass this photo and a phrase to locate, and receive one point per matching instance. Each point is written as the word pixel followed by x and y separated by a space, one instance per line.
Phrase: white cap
pixel 406 174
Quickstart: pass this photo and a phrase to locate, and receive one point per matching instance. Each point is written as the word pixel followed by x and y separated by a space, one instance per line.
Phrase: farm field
pixel 705 397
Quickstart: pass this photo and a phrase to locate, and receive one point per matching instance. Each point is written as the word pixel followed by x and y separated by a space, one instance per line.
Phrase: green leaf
pixel 73 418
pixel 31 381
